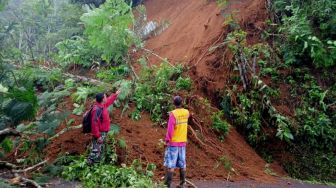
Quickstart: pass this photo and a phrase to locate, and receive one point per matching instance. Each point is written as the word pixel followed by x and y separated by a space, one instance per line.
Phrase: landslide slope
pixel 194 26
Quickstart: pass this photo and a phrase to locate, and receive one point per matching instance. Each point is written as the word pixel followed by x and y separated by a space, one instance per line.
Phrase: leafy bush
pixel 309 35
pixel 155 90
pixel 105 175
pixel 42 79
pixel 76 51
pixel 6 145
pixel 317 126
pixel 219 124
pixel 253 107
pixel 183 83
pixel 22 105
pixel 114 73
pixel 47 99
pixel 312 165
pixel 45 23
pixel 2 183
pixel 83 92
pixel 107 29
pixel 226 162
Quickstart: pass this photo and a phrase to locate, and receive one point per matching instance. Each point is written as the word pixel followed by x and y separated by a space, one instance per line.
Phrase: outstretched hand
pixel 118 91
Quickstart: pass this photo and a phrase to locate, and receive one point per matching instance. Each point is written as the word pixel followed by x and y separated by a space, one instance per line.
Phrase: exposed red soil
pixel 195 25
pixel 73 142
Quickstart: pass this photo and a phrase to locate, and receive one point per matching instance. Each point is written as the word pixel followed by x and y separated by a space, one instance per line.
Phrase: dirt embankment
pixel 195 25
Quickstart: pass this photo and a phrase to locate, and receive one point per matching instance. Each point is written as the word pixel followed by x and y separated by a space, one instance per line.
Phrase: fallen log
pixel 68 75
pixel 30 168
pixel 8 132
pixel 8 165
pixel 18 178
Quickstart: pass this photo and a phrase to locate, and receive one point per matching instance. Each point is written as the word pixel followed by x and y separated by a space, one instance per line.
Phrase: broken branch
pixel 8 165
pixel 8 132
pixel 31 168
pixel 191 183
pixel 165 60
pixel 65 130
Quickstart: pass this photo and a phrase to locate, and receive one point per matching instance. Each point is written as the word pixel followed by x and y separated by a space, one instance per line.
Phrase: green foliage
pixel 155 90
pixel 115 129
pixel 41 179
pixel 220 125
pixel 7 145
pixel 78 110
pixel 22 105
pixel 107 29
pixel 42 79
pixel 183 83
pixel 4 184
pixel 227 163
pixel 312 165
pixel 76 51
pixel 3 3
pixel 309 30
pixel 83 92
pixel 126 87
pixel 47 99
pixel 29 30
pixel 254 107
pixel 49 122
pixel 317 125
pixel 222 3
pixel 113 73
pixel 104 175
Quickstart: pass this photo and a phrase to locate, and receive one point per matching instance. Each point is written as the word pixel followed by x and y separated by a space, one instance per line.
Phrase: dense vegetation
pixel 309 50
pixel 299 101
pixel 40 41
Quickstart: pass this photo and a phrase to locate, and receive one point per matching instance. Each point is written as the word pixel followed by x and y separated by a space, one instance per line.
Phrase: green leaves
pixel 76 51
pixel 184 83
pixel 50 121
pixel 308 30
pixel 44 24
pixel 107 29
pixel 22 105
pixel 114 73
pixel 7 145
pixel 104 175
pixel 154 93
pixel 83 92
pixel 283 131
pixel 220 125
pixel 78 110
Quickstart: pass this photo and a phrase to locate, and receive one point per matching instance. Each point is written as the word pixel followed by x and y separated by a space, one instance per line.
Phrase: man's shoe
pixel 182 178
pixel 169 179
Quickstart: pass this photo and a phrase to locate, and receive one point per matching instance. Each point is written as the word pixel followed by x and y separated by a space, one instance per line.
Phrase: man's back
pixel 181 125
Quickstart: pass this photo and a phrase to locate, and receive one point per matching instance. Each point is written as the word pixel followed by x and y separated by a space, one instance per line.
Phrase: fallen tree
pixel 16 170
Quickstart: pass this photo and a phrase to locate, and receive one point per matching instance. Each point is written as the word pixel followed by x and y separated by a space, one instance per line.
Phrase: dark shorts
pixel 175 157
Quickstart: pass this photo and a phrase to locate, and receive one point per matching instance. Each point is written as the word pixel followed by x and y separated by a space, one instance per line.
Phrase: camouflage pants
pixel 97 149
